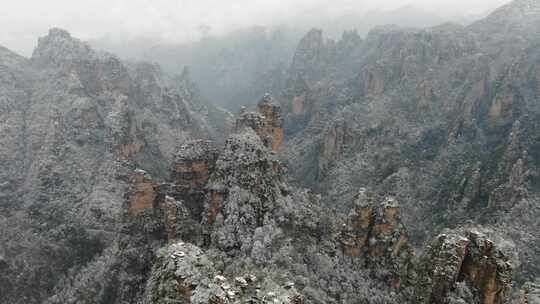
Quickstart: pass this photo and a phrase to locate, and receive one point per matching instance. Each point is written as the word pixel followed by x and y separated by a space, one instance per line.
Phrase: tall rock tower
pixel 267 123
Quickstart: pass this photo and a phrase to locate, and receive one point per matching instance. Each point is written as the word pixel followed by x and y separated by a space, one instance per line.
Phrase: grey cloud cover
pixel 181 20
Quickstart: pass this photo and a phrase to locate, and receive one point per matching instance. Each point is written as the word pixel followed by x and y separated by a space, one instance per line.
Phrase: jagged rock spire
pixel 267 123
pixel 59 46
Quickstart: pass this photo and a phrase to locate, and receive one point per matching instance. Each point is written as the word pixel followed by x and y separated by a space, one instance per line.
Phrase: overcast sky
pixel 23 21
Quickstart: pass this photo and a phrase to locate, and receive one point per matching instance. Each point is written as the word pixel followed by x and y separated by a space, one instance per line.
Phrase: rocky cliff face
pixel 375 233
pixel 267 123
pixel 112 192
pixel 441 118
pixel 232 229
pixel 254 228
pixel 468 257
pixel 259 230
pixel 76 121
pixel 194 163
pixel 184 274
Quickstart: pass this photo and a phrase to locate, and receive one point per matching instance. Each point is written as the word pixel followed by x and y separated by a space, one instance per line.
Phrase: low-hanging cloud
pixel 184 20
